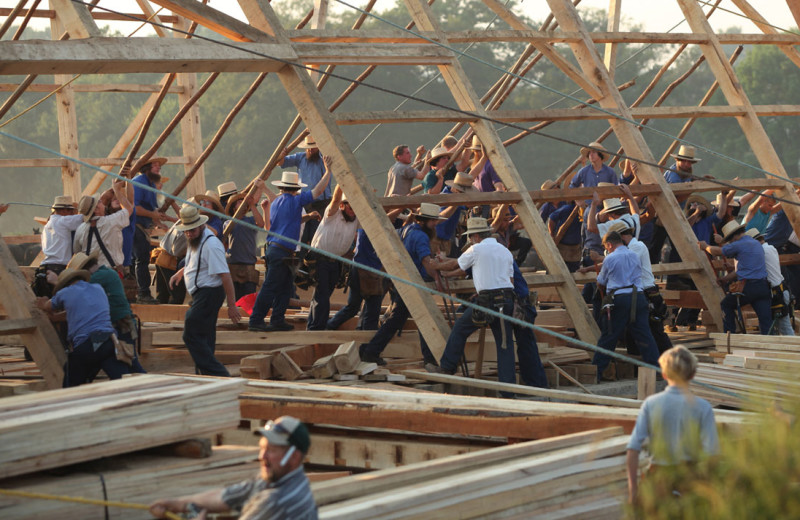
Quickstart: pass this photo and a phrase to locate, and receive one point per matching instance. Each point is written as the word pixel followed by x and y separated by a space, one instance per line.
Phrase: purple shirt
pixel 486 179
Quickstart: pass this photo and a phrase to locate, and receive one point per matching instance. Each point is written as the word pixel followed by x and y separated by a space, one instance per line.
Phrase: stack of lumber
pixel 60 427
pixel 752 366
pixel 564 477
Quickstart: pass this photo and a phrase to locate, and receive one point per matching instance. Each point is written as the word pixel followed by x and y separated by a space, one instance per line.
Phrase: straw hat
pixel 597 147
pixel 477 225
pixel 462 182
pixel 210 196
pixel 612 205
pixel 87 205
pixel 476 144
pixel 309 142
pixel 685 153
pixel 605 184
pixel 755 233
pixel 230 209
pixel 700 200
pixel 428 210
pixel 548 185
pixel 619 226
pixel 63 202
pixel 439 151
pixel 289 180
pixel 80 259
pixel 67 276
pixel 190 218
pixel 730 229
pixel 226 189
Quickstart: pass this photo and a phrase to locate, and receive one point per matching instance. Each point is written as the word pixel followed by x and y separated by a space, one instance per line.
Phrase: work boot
pixel 146 299
pixel 366 357
pixel 279 327
pixel 257 327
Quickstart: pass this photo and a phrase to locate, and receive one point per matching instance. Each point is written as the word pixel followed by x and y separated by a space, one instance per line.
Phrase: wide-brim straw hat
pixel 289 180
pixel 685 153
pixel 755 233
pixel 477 225
pixel 308 142
pixel 80 259
pixel 462 181
pixel 428 210
pixel 68 275
pixel 476 144
pixel 619 226
pixel 730 229
pixel 439 151
pixel 612 205
pixel 190 218
pixel 87 205
pixel 700 200
pixel 596 147
pixel 548 185
pixel 226 189
pixel 63 202
pixel 210 196
pixel 230 208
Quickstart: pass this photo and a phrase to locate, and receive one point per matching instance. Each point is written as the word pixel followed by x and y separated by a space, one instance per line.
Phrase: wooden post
pixel 191 132
pixel 610 57
pixel 466 99
pixel 646 383
pixel 631 139
pixel 67 128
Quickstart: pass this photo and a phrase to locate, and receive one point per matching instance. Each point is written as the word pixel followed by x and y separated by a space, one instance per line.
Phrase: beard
pixel 684 173
pixel 348 218
pixel 312 155
pixel 154 177
pixel 194 243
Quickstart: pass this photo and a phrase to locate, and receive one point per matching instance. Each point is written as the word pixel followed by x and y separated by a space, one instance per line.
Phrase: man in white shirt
pixel 101 232
pixel 335 234
pixel 492 267
pixel 780 291
pixel 57 234
pixel 209 282
pixel 614 209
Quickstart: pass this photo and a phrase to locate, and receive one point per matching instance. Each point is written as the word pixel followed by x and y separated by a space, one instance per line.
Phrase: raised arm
pixel 326 178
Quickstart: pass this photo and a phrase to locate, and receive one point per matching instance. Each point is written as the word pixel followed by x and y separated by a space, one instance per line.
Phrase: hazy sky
pixel 653 15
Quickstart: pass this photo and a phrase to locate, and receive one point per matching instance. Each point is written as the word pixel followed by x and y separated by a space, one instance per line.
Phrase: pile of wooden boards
pixel 574 476
pixel 52 429
pixel 759 369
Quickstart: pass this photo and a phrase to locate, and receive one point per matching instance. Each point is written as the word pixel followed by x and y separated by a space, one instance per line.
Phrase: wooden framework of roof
pixel 78 48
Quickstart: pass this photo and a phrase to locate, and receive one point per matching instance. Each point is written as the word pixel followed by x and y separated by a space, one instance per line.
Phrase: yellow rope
pixel 48 96
pixel 81 500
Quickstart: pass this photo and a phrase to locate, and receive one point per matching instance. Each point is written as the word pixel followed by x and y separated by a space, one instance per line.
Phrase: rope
pixel 486 118
pixel 81 500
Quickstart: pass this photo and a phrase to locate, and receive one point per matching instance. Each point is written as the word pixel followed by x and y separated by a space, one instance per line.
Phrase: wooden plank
pixel 525 390
pixel 75 18
pixel 324 367
pixel 346 357
pixel 67 128
pixel 261 364
pixel 286 367
pixel 379 481
pixel 646 383
pixel 9 327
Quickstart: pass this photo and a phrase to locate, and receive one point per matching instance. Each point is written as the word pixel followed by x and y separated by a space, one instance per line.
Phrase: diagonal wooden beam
pixel 610 56
pixel 545 48
pixel 214 19
pixel 634 144
pixel 749 11
pixel 467 99
pixel 355 184
pixel 12 16
pixel 751 126
pixel 76 19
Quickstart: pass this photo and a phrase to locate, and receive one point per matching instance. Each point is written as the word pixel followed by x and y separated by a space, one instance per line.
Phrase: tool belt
pixel 608 300
pixel 161 258
pixel 658 309
pixel 570 253
pixel 243 273
pixel 493 299
pixel 737 287
pixel 778 305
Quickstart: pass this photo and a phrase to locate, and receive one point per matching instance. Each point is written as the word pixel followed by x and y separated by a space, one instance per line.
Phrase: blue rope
pixel 352 263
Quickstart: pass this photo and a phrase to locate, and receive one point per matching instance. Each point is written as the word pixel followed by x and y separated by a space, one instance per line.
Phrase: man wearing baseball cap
pixel 280 492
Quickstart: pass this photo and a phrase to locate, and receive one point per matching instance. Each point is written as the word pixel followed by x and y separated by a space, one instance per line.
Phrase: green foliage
pixel 756 475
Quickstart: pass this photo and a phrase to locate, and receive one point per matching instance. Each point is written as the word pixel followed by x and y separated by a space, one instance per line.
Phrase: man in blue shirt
pixel 678 173
pixel 91 341
pixel 285 218
pixel 241 252
pixel 625 305
pixel 147 217
pixel 311 169
pixel 570 244
pixel 416 236
pixel 751 268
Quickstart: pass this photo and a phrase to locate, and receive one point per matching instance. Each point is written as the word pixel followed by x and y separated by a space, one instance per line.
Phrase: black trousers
pixel 200 330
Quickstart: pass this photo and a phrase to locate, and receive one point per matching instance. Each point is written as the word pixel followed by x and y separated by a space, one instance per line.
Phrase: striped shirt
pixel 288 498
